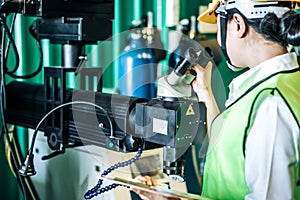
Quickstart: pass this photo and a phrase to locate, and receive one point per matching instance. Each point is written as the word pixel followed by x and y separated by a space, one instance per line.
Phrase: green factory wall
pixel 125 12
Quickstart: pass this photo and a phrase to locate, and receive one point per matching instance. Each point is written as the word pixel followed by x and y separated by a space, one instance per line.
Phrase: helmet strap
pixel 223 24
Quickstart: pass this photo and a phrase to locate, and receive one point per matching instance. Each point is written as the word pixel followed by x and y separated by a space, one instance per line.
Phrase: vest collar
pixel 243 82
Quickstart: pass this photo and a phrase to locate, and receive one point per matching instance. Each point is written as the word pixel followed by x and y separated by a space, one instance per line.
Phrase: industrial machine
pixel 71 117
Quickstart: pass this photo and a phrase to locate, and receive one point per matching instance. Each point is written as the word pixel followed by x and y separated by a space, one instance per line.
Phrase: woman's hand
pixel 147 180
pixel 202 82
pixel 144 195
pixel 202 87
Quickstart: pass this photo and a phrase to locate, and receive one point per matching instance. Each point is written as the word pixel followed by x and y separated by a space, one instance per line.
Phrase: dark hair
pixel 284 30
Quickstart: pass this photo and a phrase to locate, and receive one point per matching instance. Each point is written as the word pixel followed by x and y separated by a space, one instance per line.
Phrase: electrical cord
pixel 33 33
pixel 95 190
pixel 13 154
pixel 14 151
pixel 33 74
pixel 30 151
pixel 8 154
pixel 14 161
pixel 7 32
pixel 2 85
pixel 29 184
pixel 4 132
pixel 12 42
pixel 9 42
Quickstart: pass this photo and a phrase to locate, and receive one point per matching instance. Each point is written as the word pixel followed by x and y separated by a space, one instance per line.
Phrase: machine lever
pixel 55 153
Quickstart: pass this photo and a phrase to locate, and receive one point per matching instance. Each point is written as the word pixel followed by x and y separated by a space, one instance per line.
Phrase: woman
pixel 254 144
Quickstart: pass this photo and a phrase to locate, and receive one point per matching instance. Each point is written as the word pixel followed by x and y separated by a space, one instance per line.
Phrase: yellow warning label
pixel 190 110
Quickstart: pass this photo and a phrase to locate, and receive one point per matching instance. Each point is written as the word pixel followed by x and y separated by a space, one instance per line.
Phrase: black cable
pixel 18 153
pixel 39 69
pixel 10 37
pixel 23 181
pixel 30 151
pixel 40 66
pixel 4 125
pixel 9 42
pixel 2 86
pixel 12 153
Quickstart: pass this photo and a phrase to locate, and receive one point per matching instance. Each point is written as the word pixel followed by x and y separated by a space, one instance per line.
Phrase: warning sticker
pixel 190 110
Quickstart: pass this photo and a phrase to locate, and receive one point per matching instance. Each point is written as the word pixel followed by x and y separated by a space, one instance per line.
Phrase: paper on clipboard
pixel 173 194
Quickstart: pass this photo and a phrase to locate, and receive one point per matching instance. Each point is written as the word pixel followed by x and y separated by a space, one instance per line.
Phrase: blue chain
pixel 96 190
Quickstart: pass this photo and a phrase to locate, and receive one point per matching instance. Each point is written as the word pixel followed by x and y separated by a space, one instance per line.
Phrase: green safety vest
pixel 224 175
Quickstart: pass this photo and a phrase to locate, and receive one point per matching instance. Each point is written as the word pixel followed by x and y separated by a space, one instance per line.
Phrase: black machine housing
pixel 177 123
pixel 67 21
pixel 172 124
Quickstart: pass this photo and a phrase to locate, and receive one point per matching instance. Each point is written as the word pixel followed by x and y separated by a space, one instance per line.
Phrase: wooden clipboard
pixel 172 194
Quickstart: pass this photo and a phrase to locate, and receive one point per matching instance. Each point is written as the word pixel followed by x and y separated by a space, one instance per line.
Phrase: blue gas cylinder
pixel 137 74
